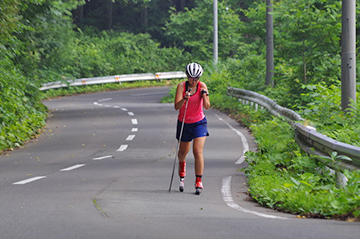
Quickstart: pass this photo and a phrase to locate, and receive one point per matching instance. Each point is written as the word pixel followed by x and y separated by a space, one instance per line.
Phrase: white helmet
pixel 194 70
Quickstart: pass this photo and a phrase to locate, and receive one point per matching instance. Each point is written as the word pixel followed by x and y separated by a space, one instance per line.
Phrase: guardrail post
pixel 341 179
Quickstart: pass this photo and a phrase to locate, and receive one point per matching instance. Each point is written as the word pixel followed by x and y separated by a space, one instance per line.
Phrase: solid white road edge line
pixel 29 180
pixel 243 140
pixel 228 200
pixel 72 167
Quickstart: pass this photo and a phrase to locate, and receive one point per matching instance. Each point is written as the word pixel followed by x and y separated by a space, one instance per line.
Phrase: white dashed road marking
pixel 103 157
pixel 72 167
pixel 29 180
pixel 130 137
pixel 122 147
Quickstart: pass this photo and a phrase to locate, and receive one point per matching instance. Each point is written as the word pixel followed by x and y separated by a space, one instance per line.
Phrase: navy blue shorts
pixel 192 131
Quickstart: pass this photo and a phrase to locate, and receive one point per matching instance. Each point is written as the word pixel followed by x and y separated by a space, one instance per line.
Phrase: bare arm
pixel 179 99
pixel 206 100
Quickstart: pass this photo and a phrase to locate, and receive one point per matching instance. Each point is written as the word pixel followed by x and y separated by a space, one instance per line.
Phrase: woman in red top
pixel 194 127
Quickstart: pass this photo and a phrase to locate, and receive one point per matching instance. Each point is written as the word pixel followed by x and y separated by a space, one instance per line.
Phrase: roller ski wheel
pixel 198 191
pixel 181 187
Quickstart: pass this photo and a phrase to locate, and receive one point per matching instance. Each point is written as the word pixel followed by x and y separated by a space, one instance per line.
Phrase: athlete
pixel 190 99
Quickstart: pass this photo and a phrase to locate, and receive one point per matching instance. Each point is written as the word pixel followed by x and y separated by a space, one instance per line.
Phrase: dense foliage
pixel 185 31
pixel 326 115
pixel 281 176
pixel 39 43
pixel 307 49
pixel 21 113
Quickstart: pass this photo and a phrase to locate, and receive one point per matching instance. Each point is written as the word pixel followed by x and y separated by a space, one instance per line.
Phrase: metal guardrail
pixel 114 79
pixel 308 139
pixel 265 102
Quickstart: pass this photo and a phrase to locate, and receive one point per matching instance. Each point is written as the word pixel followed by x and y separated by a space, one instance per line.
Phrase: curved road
pixel 102 169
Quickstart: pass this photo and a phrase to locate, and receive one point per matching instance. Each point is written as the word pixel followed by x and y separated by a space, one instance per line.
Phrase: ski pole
pixel 178 143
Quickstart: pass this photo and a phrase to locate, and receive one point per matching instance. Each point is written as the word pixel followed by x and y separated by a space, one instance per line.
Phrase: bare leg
pixel 198 147
pixel 183 150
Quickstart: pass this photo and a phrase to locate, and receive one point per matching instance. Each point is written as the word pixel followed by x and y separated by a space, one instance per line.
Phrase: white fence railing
pixel 114 79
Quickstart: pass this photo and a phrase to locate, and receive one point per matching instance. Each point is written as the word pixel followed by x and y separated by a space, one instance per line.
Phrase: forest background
pixel 59 40
pixel 51 40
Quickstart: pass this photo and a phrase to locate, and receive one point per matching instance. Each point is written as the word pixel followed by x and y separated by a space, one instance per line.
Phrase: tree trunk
pixel 145 18
pixel 304 64
pixel 109 14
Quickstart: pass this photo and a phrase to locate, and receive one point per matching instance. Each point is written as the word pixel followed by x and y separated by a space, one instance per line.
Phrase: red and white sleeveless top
pixel 194 112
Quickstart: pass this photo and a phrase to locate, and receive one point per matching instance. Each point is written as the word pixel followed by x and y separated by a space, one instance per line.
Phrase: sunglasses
pixel 193 78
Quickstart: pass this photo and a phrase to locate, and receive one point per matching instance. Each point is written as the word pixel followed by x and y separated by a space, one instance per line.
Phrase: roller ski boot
pixel 198 186
pixel 182 174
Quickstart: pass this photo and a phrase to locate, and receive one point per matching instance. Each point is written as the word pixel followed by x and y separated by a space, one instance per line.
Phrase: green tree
pixel 247 69
pixel 47 41
pixel 192 30
pixel 307 43
pixel 10 16
pixel 307 47
pixel 113 53
pixel 21 113
pixel 136 16
pixel 312 37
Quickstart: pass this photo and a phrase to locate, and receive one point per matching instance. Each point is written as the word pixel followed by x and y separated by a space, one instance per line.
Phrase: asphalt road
pixel 102 168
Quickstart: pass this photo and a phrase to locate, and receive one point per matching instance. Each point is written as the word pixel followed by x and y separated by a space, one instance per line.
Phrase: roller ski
pixel 198 186
pixel 181 187
pixel 182 174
